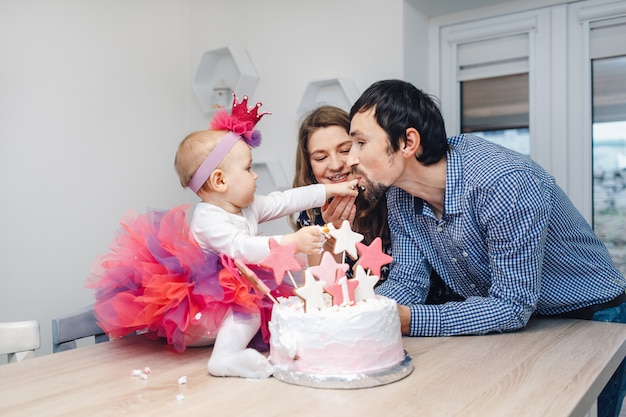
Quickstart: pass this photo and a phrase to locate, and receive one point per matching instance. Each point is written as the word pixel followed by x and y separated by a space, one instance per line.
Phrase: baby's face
pixel 239 176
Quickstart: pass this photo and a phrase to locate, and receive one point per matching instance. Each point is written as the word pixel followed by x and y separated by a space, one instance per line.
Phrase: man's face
pixel 370 157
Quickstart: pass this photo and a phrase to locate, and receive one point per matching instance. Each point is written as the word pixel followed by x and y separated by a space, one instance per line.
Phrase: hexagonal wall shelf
pixel 220 71
pixel 340 92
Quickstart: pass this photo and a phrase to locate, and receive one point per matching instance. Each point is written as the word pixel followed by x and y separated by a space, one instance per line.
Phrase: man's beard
pixel 374 191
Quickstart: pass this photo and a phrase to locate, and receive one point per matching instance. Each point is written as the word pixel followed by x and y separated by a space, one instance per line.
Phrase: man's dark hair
pixel 399 105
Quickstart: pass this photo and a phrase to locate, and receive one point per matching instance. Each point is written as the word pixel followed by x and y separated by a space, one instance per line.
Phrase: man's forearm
pixel 405 319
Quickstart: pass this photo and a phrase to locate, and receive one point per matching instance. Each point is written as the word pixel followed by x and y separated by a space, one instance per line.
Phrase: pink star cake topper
pixel 345 239
pixel 312 292
pixel 335 292
pixel 281 259
pixel 328 269
pixel 372 256
pixel 343 292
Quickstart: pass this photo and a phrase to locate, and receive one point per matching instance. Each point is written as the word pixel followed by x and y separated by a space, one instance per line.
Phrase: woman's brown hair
pixel 371 219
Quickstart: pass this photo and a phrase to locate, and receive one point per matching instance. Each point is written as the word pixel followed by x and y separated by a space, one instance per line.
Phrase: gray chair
pixel 19 339
pixel 67 330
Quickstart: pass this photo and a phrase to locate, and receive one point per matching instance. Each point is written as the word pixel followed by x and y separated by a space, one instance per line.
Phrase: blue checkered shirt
pixel 510 242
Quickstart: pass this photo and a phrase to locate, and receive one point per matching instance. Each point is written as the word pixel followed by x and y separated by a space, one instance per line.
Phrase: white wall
pixel 294 43
pixel 416 46
pixel 92 106
pixel 96 95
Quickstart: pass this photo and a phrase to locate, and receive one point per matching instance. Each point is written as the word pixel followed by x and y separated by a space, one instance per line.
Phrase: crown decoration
pixel 240 125
pixel 243 113
pixel 241 120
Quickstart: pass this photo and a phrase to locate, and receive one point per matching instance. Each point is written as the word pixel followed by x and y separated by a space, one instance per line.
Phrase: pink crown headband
pixel 240 125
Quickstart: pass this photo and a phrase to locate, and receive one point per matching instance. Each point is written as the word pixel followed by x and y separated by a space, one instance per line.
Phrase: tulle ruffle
pixel 157 279
pixel 223 121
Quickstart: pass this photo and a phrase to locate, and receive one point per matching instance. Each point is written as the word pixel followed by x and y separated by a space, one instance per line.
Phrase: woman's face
pixel 328 152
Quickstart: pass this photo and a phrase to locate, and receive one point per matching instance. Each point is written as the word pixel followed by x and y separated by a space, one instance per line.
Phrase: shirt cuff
pixel 425 320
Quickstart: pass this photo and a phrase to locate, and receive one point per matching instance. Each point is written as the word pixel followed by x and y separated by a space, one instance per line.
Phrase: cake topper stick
pixel 293 281
pixel 254 280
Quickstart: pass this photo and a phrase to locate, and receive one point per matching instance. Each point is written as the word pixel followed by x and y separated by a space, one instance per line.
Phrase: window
pixel 495 72
pixel 609 154
pixel 573 58
pixel 497 109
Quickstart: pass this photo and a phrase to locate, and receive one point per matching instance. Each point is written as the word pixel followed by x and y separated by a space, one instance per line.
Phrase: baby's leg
pixel 230 357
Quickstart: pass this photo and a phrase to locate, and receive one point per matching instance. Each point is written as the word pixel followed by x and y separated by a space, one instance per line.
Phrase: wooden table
pixel 554 367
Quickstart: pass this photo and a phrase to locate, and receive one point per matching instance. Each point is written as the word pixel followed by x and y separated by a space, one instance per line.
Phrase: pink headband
pixel 213 160
pixel 240 125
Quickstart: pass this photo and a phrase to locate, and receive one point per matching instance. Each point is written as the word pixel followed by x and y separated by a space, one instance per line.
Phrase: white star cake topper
pixel 345 239
pixel 365 289
pixel 312 292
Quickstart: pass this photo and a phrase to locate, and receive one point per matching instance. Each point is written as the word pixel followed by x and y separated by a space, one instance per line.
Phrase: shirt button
pixel 472 286
pixel 440 229
pixel 465 254
pixel 454 260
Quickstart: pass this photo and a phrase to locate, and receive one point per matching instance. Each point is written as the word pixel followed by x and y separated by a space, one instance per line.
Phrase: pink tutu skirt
pixel 157 279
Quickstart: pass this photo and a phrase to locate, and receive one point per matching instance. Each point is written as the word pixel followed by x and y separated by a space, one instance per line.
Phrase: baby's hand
pixel 309 240
pixel 347 188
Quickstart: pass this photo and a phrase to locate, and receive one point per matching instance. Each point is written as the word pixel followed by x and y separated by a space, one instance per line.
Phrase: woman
pixel 323 146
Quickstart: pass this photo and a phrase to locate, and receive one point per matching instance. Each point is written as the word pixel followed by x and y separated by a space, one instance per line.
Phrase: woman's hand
pixel 338 210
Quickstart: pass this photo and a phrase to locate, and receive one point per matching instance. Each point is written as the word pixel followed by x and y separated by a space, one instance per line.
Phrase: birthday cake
pixel 336 340
pixel 336 332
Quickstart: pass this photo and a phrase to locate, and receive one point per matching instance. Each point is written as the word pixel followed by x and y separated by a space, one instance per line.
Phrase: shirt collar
pixel 454 175
pixel 454 179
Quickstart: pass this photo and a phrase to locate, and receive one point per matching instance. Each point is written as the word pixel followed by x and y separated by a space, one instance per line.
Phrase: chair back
pixel 19 339
pixel 68 329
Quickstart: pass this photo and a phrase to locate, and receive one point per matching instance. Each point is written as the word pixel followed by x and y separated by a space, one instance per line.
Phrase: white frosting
pixel 336 340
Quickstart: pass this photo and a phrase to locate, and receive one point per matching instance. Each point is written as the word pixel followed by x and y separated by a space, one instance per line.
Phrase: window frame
pixel 547 62
pixel 581 17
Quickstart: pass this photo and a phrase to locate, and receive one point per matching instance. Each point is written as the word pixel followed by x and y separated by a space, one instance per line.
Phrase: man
pixel 491 222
